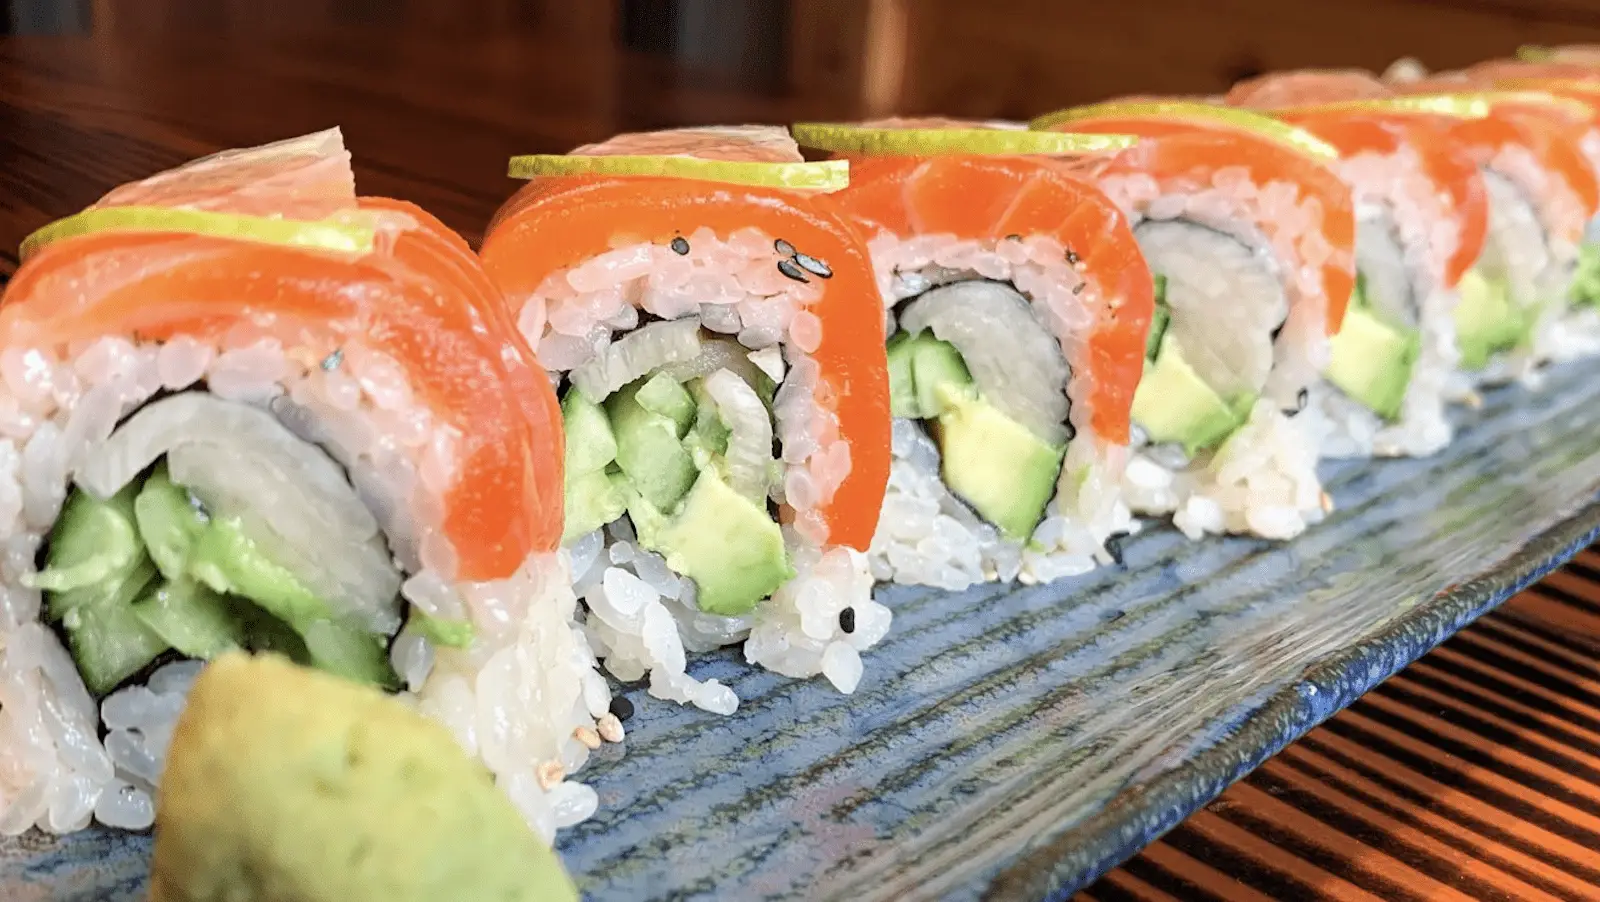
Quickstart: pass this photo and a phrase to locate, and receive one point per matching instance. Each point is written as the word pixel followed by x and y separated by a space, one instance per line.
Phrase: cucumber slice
pixel 350 652
pixel 107 639
pixel 347 235
pixel 443 630
pixel 194 620
pixel 829 175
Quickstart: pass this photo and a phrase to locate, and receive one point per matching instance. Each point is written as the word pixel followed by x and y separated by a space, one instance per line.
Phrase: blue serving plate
pixel 1016 742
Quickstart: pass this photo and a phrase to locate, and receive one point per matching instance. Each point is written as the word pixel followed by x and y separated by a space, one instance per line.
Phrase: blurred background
pixel 434 95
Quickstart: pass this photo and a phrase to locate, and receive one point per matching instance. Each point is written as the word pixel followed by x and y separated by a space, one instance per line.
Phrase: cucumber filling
pixel 149 569
pixel 973 367
pixel 685 451
pixel 1586 282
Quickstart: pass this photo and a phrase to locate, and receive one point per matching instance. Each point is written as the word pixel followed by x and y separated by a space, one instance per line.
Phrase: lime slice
pixel 1535 53
pixel 843 138
pixel 1282 132
pixel 1457 106
pixel 348 237
pixel 1571 105
pixel 830 175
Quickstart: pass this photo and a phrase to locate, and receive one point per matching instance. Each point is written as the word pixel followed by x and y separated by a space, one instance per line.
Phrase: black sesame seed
pixel 1302 399
pixel 621 708
pixel 783 247
pixel 814 266
pixel 1013 237
pixel 680 246
pixel 1072 256
pixel 1078 288
pixel 332 361
pixel 788 268
pixel 847 620
pixel 1114 546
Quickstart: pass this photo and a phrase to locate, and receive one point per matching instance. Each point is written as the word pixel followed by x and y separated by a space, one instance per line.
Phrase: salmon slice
pixel 1183 154
pixel 556 223
pixel 419 297
pixel 986 198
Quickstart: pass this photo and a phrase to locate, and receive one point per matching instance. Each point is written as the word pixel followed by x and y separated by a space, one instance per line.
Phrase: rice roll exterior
pixel 243 408
pixel 1018 306
pixel 719 351
pixel 1421 222
pixel 1251 238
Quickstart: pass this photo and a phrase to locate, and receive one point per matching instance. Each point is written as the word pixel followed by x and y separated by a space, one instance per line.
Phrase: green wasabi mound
pixel 285 784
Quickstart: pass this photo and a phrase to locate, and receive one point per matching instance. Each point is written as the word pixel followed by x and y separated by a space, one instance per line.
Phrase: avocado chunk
pixel 649 451
pixel 661 394
pixel 1487 322
pixel 593 500
pixel 288 785
pixel 995 464
pixel 708 437
pixel 728 545
pixel 1173 404
pixel 1372 361
pixel 95 569
pixel 924 366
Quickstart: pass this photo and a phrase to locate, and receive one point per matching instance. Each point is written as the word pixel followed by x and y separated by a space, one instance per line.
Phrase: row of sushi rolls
pixel 700 388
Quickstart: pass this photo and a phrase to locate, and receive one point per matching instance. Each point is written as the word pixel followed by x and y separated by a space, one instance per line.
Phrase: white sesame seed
pixel 549 773
pixel 587 736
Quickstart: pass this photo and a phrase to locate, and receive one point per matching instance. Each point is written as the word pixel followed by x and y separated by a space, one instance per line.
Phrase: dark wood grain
pixel 1473 775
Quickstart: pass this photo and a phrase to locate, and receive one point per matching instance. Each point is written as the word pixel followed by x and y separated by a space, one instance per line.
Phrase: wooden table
pixel 1474 774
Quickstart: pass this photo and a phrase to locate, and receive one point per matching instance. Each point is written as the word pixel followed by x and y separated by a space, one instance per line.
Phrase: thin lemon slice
pixel 1282 132
pixel 335 235
pixel 845 138
pixel 1571 105
pixel 830 175
pixel 1456 106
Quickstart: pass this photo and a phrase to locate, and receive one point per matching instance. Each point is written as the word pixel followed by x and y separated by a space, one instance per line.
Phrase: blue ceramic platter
pixel 1015 743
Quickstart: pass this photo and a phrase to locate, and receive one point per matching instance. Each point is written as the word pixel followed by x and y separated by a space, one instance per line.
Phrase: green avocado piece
pixel 286 785
pixel 592 500
pixel 707 440
pixel 1586 282
pixel 1487 322
pixel 1372 361
pixel 649 452
pixel 590 445
pixel 191 618
pixel 924 366
pixel 1173 404
pixel 721 540
pixel 94 570
pixel 995 464
pixel 661 394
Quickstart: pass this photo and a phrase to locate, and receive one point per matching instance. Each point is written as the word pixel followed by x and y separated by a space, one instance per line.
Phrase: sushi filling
pixel 1503 294
pixel 164 502
pixel 995 470
pixel 1213 447
pixel 699 460
pixel 203 525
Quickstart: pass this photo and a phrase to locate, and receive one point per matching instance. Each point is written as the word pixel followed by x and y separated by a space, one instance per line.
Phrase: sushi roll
pixel 713 329
pixel 1018 305
pixel 1536 152
pixel 242 408
pixel 1251 238
pixel 1421 221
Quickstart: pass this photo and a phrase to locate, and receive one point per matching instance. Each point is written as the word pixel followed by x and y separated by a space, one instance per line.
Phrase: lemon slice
pixel 844 138
pixel 1571 105
pixel 1457 106
pixel 830 175
pixel 1282 132
pixel 335 235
